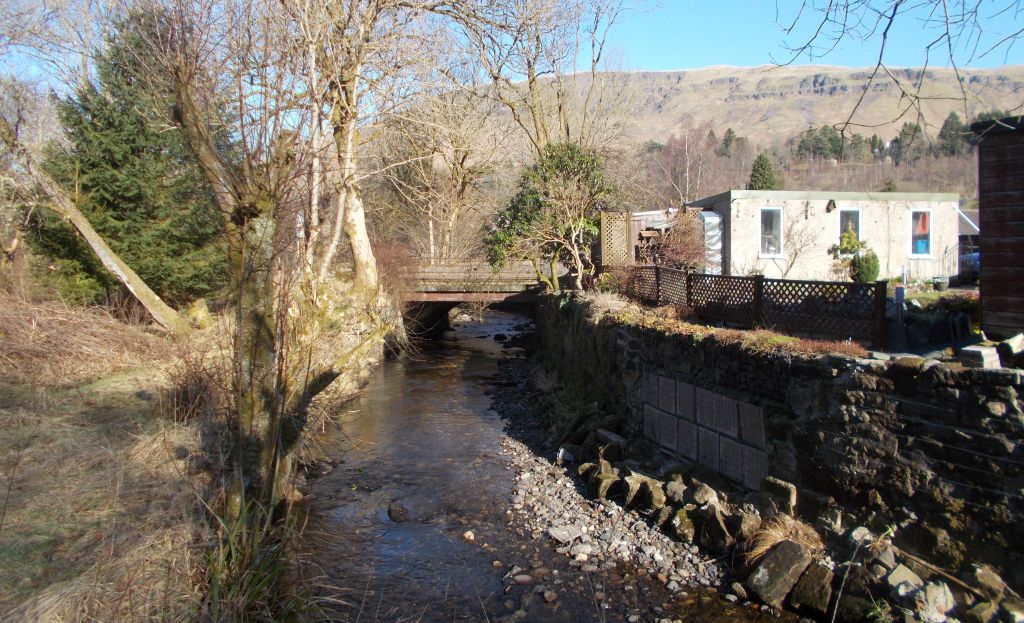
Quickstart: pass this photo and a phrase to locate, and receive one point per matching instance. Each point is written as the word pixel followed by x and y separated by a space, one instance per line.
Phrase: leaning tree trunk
pixel 163 313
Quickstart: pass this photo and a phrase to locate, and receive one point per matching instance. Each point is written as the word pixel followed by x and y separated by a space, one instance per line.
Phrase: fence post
pixel 657 285
pixel 758 298
pixel 689 291
pixel 878 331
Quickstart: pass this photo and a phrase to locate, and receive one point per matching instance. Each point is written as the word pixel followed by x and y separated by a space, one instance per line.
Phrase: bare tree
pixel 800 241
pixel 680 169
pixel 532 50
pixel 683 245
pixel 439 162
pixel 963 31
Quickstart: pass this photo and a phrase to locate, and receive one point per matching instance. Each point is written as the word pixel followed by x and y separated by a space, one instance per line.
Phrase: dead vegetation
pixel 781 528
pixel 760 341
pixel 53 344
pixel 101 504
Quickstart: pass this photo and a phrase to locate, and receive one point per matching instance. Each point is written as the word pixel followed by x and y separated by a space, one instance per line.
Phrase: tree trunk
pixel 256 449
pixel 366 278
pixel 163 313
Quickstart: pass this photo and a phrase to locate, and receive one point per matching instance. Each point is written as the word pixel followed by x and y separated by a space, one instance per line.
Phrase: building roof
pixel 998 126
pixel 969 222
pixel 819 195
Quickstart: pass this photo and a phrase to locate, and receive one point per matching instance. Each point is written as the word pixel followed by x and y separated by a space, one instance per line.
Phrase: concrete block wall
pixel 701 425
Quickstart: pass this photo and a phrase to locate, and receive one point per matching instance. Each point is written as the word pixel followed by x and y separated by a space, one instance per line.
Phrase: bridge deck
pixel 465 281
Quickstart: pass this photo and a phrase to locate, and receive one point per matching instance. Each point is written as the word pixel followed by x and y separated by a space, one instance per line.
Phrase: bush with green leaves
pixel 553 218
pixel 864 267
pixel 853 259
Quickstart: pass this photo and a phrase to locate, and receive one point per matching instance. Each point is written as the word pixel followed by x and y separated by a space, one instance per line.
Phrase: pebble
pixel 546 500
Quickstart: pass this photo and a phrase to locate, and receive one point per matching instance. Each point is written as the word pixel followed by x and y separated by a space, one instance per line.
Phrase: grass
pixel 53 344
pixel 99 507
pixel 758 341
pixel 781 528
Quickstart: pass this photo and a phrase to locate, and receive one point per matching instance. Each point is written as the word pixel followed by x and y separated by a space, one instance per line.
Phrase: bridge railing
pixel 469 276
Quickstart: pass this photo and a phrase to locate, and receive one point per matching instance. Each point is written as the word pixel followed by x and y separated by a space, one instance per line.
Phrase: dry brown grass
pixel 51 343
pixel 100 511
pixel 761 341
pixel 102 522
pixel 781 528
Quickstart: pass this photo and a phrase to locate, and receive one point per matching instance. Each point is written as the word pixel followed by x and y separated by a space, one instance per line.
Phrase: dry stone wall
pixel 933 448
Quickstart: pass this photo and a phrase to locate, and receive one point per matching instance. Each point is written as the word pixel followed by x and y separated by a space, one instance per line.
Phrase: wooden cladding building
pixel 1001 215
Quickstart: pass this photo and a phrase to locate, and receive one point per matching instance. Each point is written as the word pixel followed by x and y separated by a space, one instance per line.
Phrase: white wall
pixel 809 230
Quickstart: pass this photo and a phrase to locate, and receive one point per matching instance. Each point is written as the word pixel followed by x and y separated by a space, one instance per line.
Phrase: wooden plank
pixel 1004 167
pixel 469 297
pixel 1000 199
pixel 1002 287
pixel 992 150
pixel 1005 244
pixel 999 184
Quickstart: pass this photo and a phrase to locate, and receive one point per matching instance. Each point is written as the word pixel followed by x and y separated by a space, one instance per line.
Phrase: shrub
pixel 864 267
pixel 607 282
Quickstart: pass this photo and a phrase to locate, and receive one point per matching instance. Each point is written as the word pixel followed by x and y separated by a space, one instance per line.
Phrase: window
pixel 849 220
pixel 920 232
pixel 771 232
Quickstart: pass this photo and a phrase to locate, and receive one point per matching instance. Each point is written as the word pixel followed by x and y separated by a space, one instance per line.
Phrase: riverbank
pixel 644 575
pixel 99 506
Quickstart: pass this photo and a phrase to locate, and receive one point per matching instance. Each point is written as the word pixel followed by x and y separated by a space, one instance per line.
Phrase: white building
pixel 789 233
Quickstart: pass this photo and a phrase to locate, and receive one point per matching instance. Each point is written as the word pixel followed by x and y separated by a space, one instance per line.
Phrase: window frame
pixel 760 235
pixel 931 234
pixel 860 224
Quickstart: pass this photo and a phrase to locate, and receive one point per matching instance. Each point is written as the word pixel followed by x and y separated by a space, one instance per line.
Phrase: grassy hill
pixel 770 104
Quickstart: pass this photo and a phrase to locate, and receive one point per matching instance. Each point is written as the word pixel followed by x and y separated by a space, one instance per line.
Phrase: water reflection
pixel 422 436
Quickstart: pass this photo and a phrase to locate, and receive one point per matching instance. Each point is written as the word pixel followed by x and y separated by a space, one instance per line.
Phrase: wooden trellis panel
pixel 844 310
pixel 644 283
pixel 717 297
pixel 615 243
pixel 672 286
pixel 818 308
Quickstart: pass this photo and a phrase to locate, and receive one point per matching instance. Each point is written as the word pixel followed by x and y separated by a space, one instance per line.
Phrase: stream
pixel 413 524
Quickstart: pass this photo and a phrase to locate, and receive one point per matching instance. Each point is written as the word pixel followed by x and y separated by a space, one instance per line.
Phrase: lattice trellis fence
pixel 643 284
pixel 672 286
pixel 820 308
pixel 816 307
pixel 615 243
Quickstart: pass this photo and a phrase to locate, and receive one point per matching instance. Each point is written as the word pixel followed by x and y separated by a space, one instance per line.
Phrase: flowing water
pixel 422 439
pixel 421 435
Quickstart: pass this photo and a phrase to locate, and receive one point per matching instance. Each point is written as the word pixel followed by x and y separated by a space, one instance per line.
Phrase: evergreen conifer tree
pixel 762 175
pixel 138 185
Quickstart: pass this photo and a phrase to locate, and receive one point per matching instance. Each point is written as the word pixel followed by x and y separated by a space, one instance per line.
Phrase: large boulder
pixel 682 524
pixel 933 602
pixel 714 536
pixel 602 485
pixel 813 590
pixel 777 573
pixel 703 494
pixel 675 491
pixel 652 495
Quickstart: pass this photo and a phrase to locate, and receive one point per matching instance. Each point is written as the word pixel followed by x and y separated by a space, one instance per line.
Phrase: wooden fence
pixel 830 309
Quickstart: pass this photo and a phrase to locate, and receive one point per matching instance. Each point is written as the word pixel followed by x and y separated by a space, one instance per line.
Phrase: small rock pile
pixel 596 533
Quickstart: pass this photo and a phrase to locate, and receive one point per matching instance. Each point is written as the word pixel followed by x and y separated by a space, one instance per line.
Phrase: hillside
pixel 771 104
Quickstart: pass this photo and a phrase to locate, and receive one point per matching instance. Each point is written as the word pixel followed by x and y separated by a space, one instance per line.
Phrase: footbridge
pixel 468 281
pixel 432 289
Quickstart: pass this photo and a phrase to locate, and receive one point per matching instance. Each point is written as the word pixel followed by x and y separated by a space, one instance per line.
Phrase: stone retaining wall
pixel 926 445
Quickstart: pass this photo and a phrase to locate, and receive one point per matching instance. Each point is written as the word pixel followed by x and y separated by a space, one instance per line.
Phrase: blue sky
pixel 686 34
